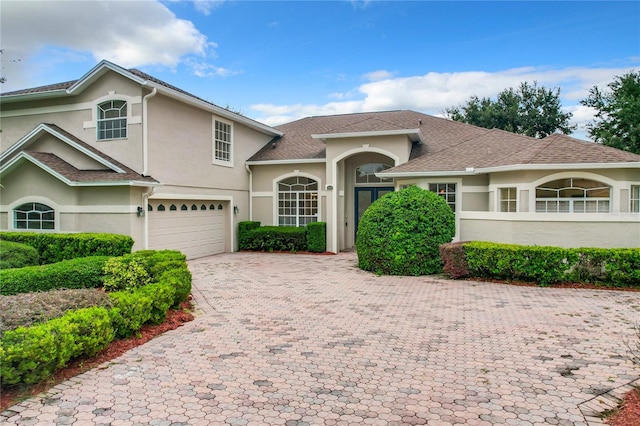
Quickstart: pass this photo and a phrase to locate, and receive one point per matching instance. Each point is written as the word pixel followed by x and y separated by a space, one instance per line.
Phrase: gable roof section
pixel 303 139
pixel 72 88
pixel 114 172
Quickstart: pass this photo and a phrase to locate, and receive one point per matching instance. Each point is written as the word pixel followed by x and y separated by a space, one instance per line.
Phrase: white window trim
pixel 214 160
pixel 112 96
pixel 277 180
pixel 424 184
pixel 499 198
pixel 631 199
pixel 614 198
pixel 33 199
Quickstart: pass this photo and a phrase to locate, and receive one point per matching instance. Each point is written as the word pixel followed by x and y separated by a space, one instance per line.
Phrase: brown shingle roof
pixel 446 145
pixel 65 169
pixel 42 89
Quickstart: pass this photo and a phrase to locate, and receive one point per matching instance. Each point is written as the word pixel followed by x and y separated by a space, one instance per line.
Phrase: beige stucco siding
pixel 397 147
pixel 181 147
pixel 561 233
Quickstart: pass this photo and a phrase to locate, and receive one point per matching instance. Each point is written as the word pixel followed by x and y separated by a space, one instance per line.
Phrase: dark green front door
pixel 364 196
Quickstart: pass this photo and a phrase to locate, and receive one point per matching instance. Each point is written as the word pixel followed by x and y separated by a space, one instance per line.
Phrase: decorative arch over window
pixel 366 173
pixel 203 207
pixel 161 207
pixel 212 207
pixel 173 207
pixel 573 195
pixel 194 207
pixel 112 120
pixel 219 206
pixel 149 208
pixel 297 201
pixel 184 207
pixel 34 216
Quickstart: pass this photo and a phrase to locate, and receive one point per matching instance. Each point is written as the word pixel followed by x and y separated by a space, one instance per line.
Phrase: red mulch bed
pixel 175 318
pixel 629 413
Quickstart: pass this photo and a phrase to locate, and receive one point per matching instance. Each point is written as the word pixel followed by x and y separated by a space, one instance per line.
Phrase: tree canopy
pixel 530 110
pixel 617 121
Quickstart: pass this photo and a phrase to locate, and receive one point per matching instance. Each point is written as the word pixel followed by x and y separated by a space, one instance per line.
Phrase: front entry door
pixel 365 196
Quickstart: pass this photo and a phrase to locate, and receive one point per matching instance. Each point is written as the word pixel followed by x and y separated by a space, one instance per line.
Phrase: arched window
pixel 112 120
pixel 297 201
pixel 34 216
pixel 161 208
pixel 366 173
pixel 573 195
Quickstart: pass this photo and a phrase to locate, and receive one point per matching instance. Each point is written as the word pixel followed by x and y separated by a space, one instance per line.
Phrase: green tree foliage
pixel 617 122
pixel 399 234
pixel 530 110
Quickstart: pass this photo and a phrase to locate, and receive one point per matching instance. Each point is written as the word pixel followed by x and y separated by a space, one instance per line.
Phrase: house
pixel 120 151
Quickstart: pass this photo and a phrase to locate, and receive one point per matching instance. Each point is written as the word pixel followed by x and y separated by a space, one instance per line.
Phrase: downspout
pixel 145 223
pixel 250 191
pixel 145 133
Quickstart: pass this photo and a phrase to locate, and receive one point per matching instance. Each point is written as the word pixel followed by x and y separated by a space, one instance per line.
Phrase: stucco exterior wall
pixel 591 231
pixel 77 115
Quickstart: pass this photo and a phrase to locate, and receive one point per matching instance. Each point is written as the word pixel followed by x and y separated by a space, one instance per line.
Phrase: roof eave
pixel 288 161
pixel 414 134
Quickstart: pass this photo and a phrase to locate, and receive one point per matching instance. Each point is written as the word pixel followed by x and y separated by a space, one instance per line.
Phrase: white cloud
pixel 378 75
pixel 433 92
pixel 206 6
pixel 129 33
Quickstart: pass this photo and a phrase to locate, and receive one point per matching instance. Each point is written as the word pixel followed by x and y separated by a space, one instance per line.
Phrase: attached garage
pixel 196 228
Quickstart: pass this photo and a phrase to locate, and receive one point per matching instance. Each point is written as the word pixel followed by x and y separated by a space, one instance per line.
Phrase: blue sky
pixel 279 61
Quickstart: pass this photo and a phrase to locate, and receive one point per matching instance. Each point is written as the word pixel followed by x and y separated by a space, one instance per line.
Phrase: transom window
pixel 635 198
pixel 222 141
pixel 573 195
pixel 446 191
pixel 366 173
pixel 34 216
pixel 508 199
pixel 297 201
pixel 112 120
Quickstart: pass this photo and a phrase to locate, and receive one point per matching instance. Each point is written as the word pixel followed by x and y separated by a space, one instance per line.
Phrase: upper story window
pixel 573 195
pixel 635 198
pixel 366 173
pixel 446 191
pixel 222 142
pixel 34 216
pixel 112 120
pixel 297 201
pixel 508 199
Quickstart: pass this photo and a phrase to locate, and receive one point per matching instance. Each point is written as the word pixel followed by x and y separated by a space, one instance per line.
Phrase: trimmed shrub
pixel 125 273
pixel 400 233
pixel 30 354
pixel 317 237
pixel 180 279
pixel 130 310
pixel 277 238
pixel 17 255
pixel 162 296
pixel 57 247
pixel 244 234
pixel 454 261
pixel 617 266
pixel 85 272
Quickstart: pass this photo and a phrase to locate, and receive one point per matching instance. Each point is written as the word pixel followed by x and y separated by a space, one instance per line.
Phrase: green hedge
pixel 84 272
pixel 244 234
pixel 544 265
pixel 277 238
pixel 56 247
pixel 313 238
pixel 317 237
pixel 17 255
pixel 30 354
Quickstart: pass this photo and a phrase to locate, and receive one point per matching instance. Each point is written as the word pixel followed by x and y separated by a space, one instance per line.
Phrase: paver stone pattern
pixel 284 339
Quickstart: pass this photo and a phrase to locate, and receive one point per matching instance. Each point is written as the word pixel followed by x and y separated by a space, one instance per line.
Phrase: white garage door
pixel 196 228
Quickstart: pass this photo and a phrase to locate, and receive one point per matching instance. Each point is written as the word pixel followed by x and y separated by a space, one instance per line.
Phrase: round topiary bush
pixel 400 233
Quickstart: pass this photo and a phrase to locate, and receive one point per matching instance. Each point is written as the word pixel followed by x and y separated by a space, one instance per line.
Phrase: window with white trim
pixel 508 199
pixel 366 173
pixel 573 195
pixel 34 216
pixel 635 198
pixel 222 142
pixel 446 191
pixel 112 120
pixel 297 201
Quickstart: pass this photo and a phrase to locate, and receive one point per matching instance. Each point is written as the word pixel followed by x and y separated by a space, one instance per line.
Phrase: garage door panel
pixel 196 233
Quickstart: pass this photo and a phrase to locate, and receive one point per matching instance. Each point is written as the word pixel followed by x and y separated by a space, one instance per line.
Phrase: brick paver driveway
pixel 300 339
